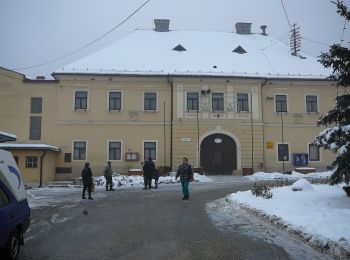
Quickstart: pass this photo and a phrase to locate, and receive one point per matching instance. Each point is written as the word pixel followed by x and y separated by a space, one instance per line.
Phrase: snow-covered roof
pixel 147 52
pixel 30 147
pixel 5 137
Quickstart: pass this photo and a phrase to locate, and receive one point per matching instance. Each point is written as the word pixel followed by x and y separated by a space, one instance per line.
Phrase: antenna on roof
pixel 295 40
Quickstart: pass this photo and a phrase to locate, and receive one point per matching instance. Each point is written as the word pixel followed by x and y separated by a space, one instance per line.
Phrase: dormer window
pixel 179 47
pixel 239 50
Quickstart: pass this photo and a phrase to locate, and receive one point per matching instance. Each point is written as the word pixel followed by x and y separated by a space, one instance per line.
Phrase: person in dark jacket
pixel 156 178
pixel 186 175
pixel 108 176
pixel 86 175
pixel 148 172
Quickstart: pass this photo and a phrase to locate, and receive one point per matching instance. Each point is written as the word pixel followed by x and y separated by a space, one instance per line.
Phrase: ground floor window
pixel 283 152
pixel 314 152
pixel 150 150
pixel 114 150
pixel 79 152
pixel 31 161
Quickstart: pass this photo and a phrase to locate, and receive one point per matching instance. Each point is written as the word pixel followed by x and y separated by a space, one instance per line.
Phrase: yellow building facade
pixel 242 136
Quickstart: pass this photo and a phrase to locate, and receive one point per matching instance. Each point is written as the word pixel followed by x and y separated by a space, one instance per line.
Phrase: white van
pixel 14 209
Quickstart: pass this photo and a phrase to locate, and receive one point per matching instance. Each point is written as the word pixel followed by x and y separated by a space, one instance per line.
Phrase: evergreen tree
pixel 337 136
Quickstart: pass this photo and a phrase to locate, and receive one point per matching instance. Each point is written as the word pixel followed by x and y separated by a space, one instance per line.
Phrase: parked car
pixel 14 209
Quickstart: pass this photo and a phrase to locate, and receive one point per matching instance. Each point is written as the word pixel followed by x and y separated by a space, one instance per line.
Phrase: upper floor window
pixel 192 101
pixel 218 101
pixel 79 152
pixel 36 105
pixel 35 128
pixel 314 152
pixel 114 150
pixel 150 101
pixel 150 150
pixel 281 103
pixel 242 102
pixel 115 100
pixel 283 152
pixel 31 161
pixel 81 100
pixel 311 103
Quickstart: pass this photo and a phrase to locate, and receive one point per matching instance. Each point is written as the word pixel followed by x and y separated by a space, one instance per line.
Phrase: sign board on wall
pixel 186 139
pixel 130 156
pixel 269 145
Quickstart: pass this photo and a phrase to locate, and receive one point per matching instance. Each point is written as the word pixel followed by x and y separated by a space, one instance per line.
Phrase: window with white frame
pixel 150 150
pixel 114 150
pixel 217 102
pixel 150 101
pixel 281 103
pixel 80 100
pixel 192 101
pixel 31 161
pixel 314 152
pixel 311 104
pixel 283 152
pixel 79 152
pixel 242 102
pixel 115 100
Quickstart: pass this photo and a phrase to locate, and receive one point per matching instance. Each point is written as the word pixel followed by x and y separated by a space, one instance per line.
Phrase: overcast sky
pixel 36 31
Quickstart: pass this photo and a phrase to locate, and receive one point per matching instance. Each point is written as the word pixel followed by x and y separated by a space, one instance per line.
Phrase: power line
pixel 285 12
pixel 322 43
pixel 88 44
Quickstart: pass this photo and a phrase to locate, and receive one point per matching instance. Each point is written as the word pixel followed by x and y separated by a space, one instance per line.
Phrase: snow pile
pixel 201 178
pixel 137 181
pixel 302 185
pixel 320 217
pixel 293 176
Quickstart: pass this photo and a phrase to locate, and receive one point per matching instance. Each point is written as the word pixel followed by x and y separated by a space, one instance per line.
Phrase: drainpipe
pixel 263 83
pixel 41 169
pixel 171 120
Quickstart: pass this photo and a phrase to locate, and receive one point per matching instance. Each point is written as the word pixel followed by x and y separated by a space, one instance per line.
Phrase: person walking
pixel 185 174
pixel 148 173
pixel 86 175
pixel 108 176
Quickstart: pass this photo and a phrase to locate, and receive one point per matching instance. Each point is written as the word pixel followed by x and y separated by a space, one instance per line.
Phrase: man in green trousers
pixel 185 173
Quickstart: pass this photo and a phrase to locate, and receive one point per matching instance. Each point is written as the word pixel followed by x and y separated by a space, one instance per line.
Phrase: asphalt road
pixel 138 224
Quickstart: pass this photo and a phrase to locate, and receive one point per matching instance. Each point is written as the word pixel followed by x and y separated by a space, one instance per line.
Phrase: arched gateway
pixel 218 154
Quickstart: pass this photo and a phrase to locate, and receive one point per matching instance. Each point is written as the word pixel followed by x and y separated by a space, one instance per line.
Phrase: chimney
pixel 263 28
pixel 161 25
pixel 243 28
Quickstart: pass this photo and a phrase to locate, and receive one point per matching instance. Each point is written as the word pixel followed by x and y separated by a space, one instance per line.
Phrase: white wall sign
pixel 186 139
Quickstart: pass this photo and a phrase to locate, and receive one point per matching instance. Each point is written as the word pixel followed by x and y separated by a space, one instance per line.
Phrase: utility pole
pixel 295 40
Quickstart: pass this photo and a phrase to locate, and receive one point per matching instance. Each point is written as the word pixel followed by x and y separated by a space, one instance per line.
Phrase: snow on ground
pixel 320 214
pixel 293 176
pixel 137 181
pixel 53 196
pixel 42 197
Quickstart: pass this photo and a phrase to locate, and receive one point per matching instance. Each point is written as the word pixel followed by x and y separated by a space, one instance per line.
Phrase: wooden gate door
pixel 218 154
